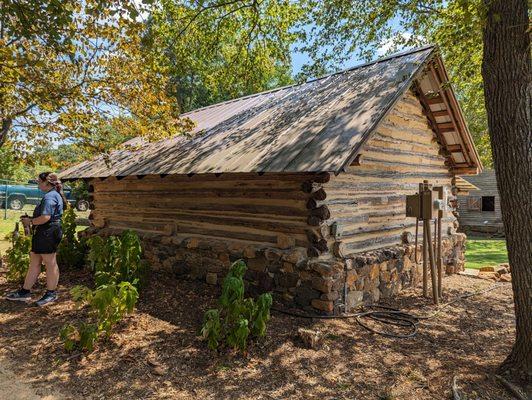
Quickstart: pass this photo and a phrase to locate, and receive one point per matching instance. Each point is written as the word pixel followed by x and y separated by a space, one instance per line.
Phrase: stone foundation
pixel 324 285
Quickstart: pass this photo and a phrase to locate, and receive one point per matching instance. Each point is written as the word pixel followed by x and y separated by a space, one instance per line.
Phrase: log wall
pixel 367 202
pixel 262 209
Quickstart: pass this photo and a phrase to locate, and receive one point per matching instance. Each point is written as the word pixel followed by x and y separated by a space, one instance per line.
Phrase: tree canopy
pixel 68 66
pixel 218 50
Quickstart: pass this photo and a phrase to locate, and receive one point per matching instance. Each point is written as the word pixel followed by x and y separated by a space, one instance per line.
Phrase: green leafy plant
pixel 237 318
pixel 116 259
pixel 118 269
pixel 108 304
pixel 18 256
pixel 71 251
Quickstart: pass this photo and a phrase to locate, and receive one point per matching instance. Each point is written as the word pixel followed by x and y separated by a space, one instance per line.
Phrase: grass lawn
pixel 7 225
pixel 481 252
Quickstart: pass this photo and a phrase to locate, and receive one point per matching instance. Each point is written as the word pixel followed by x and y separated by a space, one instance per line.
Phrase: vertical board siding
pixel 368 200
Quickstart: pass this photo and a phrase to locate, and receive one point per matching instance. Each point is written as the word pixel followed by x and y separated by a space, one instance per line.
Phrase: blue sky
pixel 300 59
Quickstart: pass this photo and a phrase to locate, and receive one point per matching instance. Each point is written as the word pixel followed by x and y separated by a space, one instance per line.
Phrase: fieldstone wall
pixel 383 273
pixel 324 284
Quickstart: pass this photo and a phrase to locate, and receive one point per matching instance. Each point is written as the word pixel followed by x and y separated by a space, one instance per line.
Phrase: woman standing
pixel 47 233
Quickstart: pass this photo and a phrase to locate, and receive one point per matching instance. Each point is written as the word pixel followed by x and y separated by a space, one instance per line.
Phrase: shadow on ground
pixel 156 353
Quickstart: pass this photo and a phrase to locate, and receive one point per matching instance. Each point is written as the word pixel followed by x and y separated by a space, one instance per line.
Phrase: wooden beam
pixel 443 125
pixel 435 100
pixel 447 101
pixel 441 113
pixel 451 129
pixel 465 171
pixel 454 147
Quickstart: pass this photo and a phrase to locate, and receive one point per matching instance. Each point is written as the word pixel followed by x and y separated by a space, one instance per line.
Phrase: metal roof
pixel 311 127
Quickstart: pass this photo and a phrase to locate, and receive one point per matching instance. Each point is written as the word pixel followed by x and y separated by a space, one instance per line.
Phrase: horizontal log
pixel 179 193
pixel 435 100
pixel 184 218
pixel 243 208
pixel 123 186
pixel 443 125
pixel 309 187
pixel 440 113
pixel 313 252
pixel 322 212
pixel 319 194
pixel 314 220
pixel 381 229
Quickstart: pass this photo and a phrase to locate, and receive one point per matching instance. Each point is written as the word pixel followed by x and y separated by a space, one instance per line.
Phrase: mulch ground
pixel 157 354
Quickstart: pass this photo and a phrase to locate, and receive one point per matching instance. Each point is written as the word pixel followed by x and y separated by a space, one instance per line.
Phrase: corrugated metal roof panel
pixel 315 126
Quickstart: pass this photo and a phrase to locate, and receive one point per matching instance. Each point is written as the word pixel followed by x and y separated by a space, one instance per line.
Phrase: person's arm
pixel 43 219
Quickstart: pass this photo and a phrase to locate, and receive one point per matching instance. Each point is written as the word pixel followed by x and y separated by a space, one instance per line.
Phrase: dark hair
pixel 54 180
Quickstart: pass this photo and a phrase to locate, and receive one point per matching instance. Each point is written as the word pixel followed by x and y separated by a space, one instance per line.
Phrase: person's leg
pixel 33 271
pixel 24 293
pixel 52 278
pixel 52 270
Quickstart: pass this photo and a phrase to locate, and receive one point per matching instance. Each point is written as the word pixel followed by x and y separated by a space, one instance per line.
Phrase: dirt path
pixel 12 387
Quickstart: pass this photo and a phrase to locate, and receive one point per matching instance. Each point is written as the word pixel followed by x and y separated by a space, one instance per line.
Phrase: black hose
pixel 387 316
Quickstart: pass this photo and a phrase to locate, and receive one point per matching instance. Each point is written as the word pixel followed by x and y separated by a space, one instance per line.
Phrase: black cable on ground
pixel 388 316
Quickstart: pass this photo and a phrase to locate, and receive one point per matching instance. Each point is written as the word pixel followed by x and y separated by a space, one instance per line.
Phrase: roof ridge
pixel 358 66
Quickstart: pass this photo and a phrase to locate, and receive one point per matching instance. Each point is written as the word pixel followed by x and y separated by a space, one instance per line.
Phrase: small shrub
pixel 118 269
pixel 108 304
pixel 71 251
pixel 18 256
pixel 116 259
pixel 237 318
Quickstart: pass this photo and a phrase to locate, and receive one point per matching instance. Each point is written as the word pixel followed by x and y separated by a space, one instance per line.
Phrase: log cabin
pixel 306 183
pixel 479 207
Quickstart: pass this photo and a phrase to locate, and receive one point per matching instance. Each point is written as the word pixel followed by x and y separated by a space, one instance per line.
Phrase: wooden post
pixel 432 266
pixel 425 252
pixel 425 273
pixel 440 261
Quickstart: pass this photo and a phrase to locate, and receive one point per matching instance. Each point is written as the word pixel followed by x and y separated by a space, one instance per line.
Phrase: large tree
pixel 68 66
pixel 486 44
pixel 507 73
pixel 216 50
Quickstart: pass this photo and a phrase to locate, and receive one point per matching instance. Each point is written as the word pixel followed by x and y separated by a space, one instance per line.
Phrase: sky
pixel 299 59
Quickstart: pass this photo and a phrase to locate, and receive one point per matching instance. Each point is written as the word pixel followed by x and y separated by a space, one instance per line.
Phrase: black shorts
pixel 46 238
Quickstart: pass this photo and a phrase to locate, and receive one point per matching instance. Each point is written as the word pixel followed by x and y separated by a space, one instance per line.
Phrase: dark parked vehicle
pixel 20 195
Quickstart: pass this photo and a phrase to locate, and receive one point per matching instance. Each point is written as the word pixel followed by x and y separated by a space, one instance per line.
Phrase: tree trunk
pixel 4 129
pixel 506 70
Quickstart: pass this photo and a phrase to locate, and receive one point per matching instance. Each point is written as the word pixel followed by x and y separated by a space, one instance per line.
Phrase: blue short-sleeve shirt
pixel 52 205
